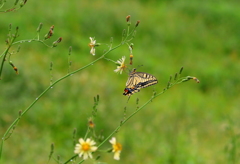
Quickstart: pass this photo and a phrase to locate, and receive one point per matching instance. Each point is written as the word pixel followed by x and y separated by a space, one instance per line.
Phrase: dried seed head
pixel 194 78
pixel 91 123
pixel 128 18
pixel 137 23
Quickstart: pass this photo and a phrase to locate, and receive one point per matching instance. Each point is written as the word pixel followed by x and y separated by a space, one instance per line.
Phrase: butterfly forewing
pixel 138 80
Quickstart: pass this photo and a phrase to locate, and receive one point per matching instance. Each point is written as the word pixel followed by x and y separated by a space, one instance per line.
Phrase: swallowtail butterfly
pixel 138 80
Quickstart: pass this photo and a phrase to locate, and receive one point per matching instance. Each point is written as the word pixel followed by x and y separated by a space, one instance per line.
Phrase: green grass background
pixel 189 124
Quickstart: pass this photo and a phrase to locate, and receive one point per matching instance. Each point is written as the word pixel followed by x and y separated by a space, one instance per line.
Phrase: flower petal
pixel 113 140
pixel 93 148
pixel 85 156
pixel 90 155
pixel 116 155
pixel 81 141
pixel 92 143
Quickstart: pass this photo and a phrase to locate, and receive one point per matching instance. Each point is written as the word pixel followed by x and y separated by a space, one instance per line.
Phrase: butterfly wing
pixel 138 80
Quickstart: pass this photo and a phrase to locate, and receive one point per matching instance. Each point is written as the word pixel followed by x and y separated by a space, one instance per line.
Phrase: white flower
pixel 121 65
pixel 85 148
pixel 92 45
pixel 116 148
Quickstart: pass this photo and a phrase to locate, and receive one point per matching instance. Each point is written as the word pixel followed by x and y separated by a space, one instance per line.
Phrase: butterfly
pixel 138 80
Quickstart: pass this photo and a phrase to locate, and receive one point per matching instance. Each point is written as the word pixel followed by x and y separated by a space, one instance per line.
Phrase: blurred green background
pixel 189 124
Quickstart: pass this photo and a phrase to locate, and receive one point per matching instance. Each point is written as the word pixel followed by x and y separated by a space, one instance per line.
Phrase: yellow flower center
pixel 117 147
pixel 91 45
pixel 85 146
pixel 123 66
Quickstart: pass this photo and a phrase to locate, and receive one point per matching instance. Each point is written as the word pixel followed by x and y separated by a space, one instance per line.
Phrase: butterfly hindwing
pixel 138 80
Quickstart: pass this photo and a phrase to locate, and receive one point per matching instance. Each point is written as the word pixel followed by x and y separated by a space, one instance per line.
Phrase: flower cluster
pixel 86 148
pixel 121 66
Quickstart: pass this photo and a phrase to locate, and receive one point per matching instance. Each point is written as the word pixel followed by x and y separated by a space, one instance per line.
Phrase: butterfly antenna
pixel 139 66
pixel 129 71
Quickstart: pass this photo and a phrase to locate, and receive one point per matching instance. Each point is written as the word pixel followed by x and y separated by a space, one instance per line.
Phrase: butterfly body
pixel 138 80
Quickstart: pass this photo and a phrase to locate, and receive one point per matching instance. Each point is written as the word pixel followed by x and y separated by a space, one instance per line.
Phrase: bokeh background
pixel 190 123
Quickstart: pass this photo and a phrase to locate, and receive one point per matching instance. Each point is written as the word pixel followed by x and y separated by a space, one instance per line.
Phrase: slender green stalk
pixel 32 40
pixel 3 60
pixel 130 116
pixel 11 42
pixel 53 84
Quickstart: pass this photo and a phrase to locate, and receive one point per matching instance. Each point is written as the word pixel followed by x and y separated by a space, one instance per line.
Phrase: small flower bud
pixel 70 50
pixel 131 59
pixel 194 78
pixel 52 149
pixel 10 27
pixel 137 23
pixel 23 2
pixel 97 98
pixel 130 49
pixel 137 101
pixel 15 68
pixel 168 85
pixel 176 76
pixel 170 79
pixel 181 70
pixel 111 40
pixel 91 123
pixel 128 18
pixel 39 27
pixel 74 136
pixel 52 27
pixel 20 113
pixel 49 34
pixel 51 66
pixel 189 78
pixel 16 2
pixel 56 42
pixel 98 157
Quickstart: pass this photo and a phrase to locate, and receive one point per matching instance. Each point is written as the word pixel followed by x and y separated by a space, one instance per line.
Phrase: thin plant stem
pixel 30 40
pixel 52 85
pixel 130 116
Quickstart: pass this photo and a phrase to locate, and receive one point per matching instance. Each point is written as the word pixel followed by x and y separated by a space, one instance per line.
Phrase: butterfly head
pixel 127 91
